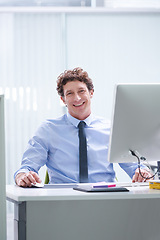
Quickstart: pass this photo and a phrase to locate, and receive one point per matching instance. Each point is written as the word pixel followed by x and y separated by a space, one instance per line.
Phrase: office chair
pixel 46 181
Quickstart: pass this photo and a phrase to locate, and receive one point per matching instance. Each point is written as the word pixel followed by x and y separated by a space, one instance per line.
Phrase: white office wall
pixel 31 57
pixel 114 47
pixel 36 47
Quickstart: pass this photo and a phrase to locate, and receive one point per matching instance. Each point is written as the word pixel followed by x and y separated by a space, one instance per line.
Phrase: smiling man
pixel 56 142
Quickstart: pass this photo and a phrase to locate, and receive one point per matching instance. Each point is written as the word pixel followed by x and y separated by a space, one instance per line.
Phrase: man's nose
pixel 77 97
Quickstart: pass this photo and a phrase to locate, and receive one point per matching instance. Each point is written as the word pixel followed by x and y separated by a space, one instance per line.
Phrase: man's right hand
pixel 26 179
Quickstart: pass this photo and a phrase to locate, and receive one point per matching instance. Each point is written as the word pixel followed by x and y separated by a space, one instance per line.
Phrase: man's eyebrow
pixel 68 91
pixel 81 88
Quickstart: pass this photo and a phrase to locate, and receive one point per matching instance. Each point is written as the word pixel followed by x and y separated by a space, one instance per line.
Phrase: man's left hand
pixel 137 176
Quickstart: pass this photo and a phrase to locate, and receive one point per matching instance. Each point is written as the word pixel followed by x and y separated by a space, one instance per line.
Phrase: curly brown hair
pixel 73 75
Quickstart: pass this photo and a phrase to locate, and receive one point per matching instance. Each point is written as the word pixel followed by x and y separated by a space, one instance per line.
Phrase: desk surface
pixel 19 194
pixel 111 215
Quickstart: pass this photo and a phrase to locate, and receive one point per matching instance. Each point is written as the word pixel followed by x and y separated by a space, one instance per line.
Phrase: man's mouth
pixel 78 105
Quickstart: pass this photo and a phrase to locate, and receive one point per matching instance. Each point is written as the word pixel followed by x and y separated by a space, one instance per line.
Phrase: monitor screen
pixel 135 124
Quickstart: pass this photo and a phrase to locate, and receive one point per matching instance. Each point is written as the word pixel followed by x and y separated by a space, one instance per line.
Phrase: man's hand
pixel 138 178
pixel 26 179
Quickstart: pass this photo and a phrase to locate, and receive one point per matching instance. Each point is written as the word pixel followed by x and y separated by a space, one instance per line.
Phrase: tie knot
pixel 81 124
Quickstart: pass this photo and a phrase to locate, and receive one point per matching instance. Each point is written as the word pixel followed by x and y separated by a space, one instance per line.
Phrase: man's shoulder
pixel 53 123
pixel 101 121
pixel 59 120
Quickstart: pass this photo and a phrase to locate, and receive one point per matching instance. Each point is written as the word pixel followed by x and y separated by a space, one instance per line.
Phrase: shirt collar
pixel 76 121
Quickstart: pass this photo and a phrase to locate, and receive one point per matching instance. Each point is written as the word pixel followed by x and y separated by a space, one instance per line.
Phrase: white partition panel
pixel 2 174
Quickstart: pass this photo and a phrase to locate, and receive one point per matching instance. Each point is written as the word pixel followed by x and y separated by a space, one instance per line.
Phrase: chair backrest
pixel 46 181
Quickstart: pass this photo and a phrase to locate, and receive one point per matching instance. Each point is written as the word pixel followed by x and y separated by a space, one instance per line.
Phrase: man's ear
pixel 63 100
pixel 91 93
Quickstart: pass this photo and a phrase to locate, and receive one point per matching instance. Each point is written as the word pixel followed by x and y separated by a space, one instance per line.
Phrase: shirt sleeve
pixel 36 153
pixel 130 168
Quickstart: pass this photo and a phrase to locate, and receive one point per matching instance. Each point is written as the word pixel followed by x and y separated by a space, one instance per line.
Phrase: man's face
pixel 77 97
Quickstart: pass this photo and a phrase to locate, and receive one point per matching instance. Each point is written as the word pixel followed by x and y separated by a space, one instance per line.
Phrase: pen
pixel 104 186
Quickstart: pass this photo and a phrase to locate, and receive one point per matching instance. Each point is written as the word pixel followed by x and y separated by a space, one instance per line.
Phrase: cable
pixel 139 167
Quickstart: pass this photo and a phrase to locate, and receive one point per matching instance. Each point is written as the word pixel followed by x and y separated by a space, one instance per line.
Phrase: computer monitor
pixel 2 172
pixel 135 124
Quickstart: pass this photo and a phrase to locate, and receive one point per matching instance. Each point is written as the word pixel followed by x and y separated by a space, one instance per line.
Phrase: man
pixel 56 142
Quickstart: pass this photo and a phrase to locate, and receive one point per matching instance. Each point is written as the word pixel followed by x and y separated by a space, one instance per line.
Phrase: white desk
pixel 66 214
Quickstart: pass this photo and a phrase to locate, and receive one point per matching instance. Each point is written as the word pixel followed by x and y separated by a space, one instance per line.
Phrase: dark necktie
pixel 83 164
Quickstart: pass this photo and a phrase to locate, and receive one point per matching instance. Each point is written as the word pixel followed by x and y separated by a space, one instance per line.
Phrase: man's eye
pixel 69 93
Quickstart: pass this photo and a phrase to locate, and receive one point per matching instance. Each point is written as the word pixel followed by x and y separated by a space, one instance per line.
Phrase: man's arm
pixel 34 157
pixel 26 179
pixel 133 171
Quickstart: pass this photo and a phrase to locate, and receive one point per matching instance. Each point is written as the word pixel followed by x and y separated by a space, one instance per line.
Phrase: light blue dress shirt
pixel 56 144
